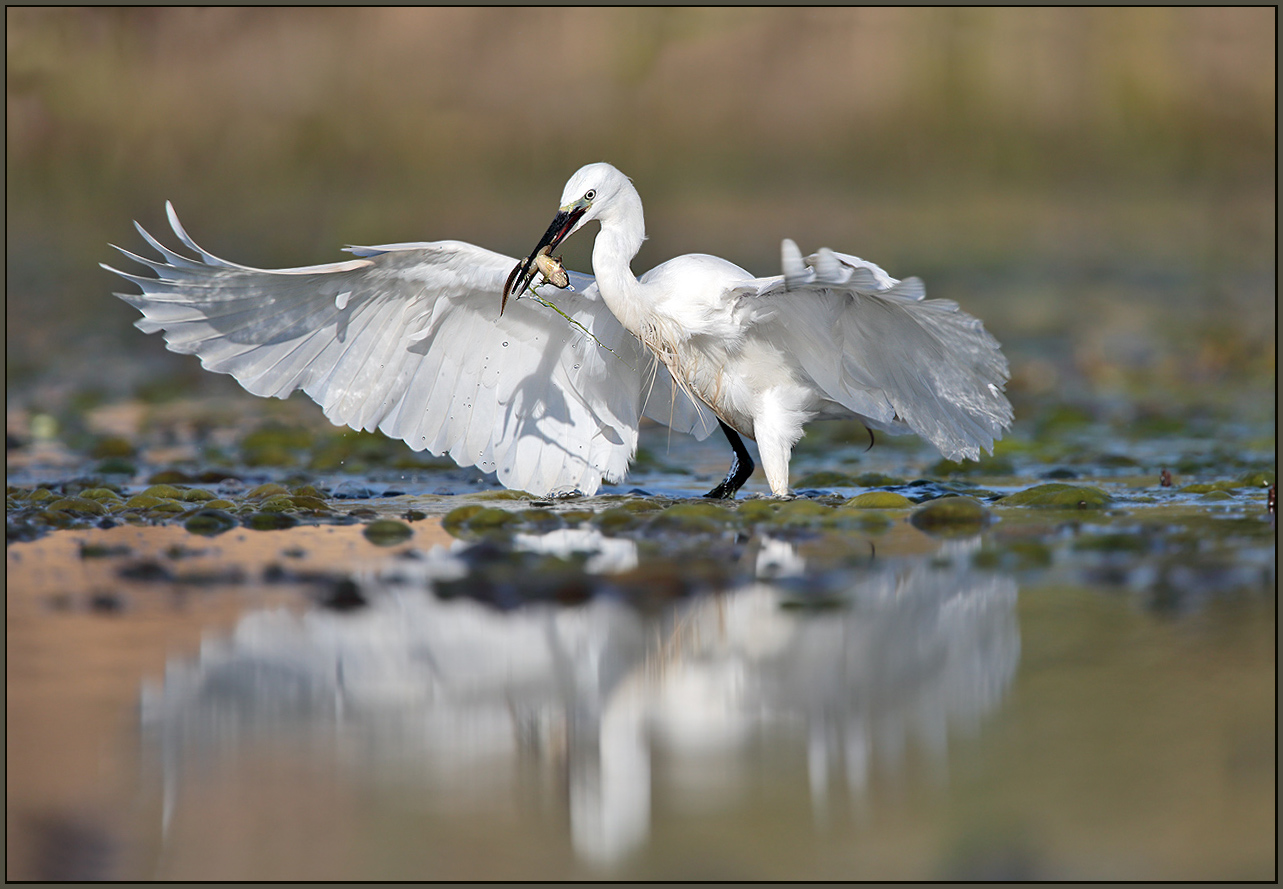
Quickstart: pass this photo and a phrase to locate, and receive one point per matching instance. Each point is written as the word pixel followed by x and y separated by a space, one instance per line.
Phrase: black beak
pixel 525 270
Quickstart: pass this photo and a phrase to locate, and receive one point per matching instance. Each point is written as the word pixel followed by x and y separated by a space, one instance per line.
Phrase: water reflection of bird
pixel 462 705
pixel 422 342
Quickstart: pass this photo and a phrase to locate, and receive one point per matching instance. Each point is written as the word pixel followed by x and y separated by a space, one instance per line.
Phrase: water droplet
pixel 505 344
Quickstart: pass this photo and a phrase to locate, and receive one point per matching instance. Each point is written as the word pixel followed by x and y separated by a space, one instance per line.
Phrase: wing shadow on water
pixel 460 699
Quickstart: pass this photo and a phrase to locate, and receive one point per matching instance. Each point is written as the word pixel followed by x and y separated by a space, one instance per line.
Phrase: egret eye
pixel 590 194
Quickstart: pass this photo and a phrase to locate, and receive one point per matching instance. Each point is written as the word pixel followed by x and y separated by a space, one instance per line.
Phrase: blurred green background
pixel 1097 184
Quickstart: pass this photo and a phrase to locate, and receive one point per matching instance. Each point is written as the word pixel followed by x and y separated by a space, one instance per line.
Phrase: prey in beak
pixel 541 260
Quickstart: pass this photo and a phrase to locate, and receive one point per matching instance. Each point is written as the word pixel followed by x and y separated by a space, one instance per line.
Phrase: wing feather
pixel 906 361
pixel 407 338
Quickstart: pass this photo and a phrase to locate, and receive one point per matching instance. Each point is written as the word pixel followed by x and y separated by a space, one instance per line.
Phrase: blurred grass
pixel 1097 184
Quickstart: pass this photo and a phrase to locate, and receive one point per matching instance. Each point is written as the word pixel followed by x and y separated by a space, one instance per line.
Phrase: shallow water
pixel 649 686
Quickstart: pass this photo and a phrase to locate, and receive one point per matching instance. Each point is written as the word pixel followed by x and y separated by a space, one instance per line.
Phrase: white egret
pixel 422 341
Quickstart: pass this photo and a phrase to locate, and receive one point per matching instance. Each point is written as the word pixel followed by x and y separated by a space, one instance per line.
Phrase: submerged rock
pixel 951 514
pixel 388 532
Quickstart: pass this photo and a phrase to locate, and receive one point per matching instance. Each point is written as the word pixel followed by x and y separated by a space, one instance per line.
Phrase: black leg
pixel 741 467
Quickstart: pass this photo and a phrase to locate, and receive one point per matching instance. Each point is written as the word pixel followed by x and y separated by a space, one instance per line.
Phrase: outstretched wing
pixel 408 339
pixel 875 346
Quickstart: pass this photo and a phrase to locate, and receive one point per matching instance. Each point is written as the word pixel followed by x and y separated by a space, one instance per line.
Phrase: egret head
pixel 594 190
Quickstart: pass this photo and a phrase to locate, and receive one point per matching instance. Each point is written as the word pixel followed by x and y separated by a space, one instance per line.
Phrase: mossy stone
pixel 210 522
pixel 825 479
pixel 1058 495
pixel 62 518
pixel 801 512
pixel 879 500
pixel 197 495
pixel 269 521
pixel 539 521
pixel 387 532
pixel 262 492
pixel 616 519
pixel 951 513
pixel 694 518
pixel 1209 487
pixel 303 501
pixel 101 494
pixel 639 505
pixel 456 520
pixel 489 518
pixel 80 505
pixel 861 518
pixel 1259 479
pixel 278 503
pixel 759 510
pixel 167 491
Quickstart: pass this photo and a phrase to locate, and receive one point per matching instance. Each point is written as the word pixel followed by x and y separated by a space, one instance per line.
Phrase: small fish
pixel 551 268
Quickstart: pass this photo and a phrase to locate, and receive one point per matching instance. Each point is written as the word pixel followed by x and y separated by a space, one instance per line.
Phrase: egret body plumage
pixel 437 344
